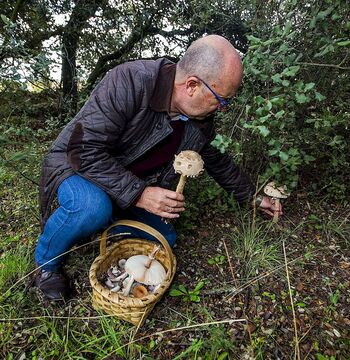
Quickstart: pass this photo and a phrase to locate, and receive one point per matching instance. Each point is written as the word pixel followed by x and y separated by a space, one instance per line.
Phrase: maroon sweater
pixel 161 154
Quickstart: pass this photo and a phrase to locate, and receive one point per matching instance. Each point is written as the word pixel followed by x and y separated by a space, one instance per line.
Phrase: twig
pixel 230 265
pixel 297 350
pixel 326 65
pixel 157 333
pixel 56 257
pixel 262 276
pixel 97 317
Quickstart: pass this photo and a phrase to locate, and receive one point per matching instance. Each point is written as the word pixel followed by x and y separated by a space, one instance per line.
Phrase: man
pixel 114 159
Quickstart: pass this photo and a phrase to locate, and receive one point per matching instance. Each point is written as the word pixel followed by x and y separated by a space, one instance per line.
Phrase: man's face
pixel 209 98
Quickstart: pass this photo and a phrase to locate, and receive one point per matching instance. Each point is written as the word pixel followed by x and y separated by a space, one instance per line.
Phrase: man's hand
pixel 268 206
pixel 162 202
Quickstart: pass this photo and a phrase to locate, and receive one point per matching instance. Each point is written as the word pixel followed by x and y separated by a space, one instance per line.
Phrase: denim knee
pixel 90 207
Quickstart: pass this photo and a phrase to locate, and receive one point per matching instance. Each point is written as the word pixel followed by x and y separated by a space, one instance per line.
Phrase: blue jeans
pixel 83 210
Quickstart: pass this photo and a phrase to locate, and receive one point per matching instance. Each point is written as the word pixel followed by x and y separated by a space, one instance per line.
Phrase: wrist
pixel 258 199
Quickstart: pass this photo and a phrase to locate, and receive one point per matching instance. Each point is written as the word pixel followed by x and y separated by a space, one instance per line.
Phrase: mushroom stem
pixel 181 184
pixel 152 256
pixel 276 212
pixel 126 290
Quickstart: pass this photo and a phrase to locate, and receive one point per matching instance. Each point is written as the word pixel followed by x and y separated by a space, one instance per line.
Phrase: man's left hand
pixel 268 206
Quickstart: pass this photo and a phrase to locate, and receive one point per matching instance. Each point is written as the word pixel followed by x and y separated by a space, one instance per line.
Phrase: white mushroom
pixel 145 269
pixel 276 193
pixel 128 285
pixel 121 263
pixel 187 163
pixel 121 277
pixel 109 283
pixel 116 288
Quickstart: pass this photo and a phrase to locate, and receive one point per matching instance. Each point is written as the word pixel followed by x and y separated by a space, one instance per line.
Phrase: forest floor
pixel 247 289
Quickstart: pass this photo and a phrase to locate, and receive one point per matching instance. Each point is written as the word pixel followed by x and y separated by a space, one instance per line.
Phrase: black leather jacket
pixel 125 116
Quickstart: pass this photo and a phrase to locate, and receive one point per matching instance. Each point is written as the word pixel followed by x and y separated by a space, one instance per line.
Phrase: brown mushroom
pixel 139 291
pixel 276 193
pixel 187 163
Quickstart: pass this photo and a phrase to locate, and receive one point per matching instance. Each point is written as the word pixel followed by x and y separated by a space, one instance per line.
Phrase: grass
pixel 177 329
pixel 254 247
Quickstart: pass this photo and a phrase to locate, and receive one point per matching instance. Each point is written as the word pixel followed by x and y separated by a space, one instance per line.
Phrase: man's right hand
pixel 162 202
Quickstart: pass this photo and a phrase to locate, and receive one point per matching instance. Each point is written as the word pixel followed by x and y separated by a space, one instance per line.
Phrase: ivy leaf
pixel 283 156
pixel 264 131
pixel 301 98
pixel 309 86
pixel 273 152
pixel 276 78
pixel 309 158
pixel 291 71
pixel 319 97
pixel 279 114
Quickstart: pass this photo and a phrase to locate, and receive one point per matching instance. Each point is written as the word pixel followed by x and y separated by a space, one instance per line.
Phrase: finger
pixel 168 215
pixel 174 195
pixel 171 209
pixel 266 211
pixel 175 204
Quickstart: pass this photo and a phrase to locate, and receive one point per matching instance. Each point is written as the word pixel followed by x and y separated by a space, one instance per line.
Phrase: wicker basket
pixel 131 309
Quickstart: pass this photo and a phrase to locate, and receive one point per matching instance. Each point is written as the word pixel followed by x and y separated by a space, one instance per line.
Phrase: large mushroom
pixel 277 193
pixel 145 270
pixel 187 163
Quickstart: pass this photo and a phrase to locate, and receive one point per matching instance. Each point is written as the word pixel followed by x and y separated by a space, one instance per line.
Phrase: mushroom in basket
pixel 145 270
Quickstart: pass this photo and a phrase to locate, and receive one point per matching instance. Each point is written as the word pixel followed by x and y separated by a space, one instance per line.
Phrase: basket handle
pixel 140 226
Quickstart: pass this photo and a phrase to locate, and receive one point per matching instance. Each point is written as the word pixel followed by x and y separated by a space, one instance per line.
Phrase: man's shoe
pixel 53 284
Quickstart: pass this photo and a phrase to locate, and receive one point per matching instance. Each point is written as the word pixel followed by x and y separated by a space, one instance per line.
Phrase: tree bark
pixel 82 11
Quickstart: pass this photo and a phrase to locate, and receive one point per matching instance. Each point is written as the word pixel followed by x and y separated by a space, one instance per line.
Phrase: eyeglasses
pixel 223 102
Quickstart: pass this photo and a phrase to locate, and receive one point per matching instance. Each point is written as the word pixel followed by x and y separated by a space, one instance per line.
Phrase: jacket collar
pixel 161 98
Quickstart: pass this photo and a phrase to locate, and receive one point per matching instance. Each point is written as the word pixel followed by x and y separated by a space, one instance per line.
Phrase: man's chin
pixel 200 117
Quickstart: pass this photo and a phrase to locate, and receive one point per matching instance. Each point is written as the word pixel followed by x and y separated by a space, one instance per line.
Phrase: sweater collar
pixel 161 98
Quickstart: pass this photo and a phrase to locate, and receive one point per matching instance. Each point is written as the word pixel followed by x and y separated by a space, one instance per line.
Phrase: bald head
pixel 211 58
pixel 209 73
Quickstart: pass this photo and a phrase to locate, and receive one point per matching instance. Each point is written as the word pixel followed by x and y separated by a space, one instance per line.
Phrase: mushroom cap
pixel 136 267
pixel 188 163
pixel 139 291
pixel 278 192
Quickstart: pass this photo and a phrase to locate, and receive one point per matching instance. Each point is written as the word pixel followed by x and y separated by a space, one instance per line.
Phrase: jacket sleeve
pixel 227 174
pixel 114 101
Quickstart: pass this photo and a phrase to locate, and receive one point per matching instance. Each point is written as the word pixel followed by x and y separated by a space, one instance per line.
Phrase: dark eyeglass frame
pixel 223 102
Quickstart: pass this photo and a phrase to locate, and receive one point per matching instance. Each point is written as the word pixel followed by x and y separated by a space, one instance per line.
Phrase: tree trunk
pixel 82 11
pixel 68 75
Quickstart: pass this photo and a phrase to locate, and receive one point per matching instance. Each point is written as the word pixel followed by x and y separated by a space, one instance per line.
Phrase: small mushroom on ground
pixel 146 269
pixel 187 163
pixel 276 193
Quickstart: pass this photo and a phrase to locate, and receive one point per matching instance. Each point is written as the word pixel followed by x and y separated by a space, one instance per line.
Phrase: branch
pixel 326 65
pixel 134 38
pixel 15 11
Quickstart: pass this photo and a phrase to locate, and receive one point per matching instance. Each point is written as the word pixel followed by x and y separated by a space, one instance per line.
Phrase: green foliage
pixel 294 97
pixel 254 248
pixel 221 142
pixel 216 260
pixel 187 294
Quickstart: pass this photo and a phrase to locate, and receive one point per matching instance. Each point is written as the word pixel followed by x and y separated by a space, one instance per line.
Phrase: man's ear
pixel 192 84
